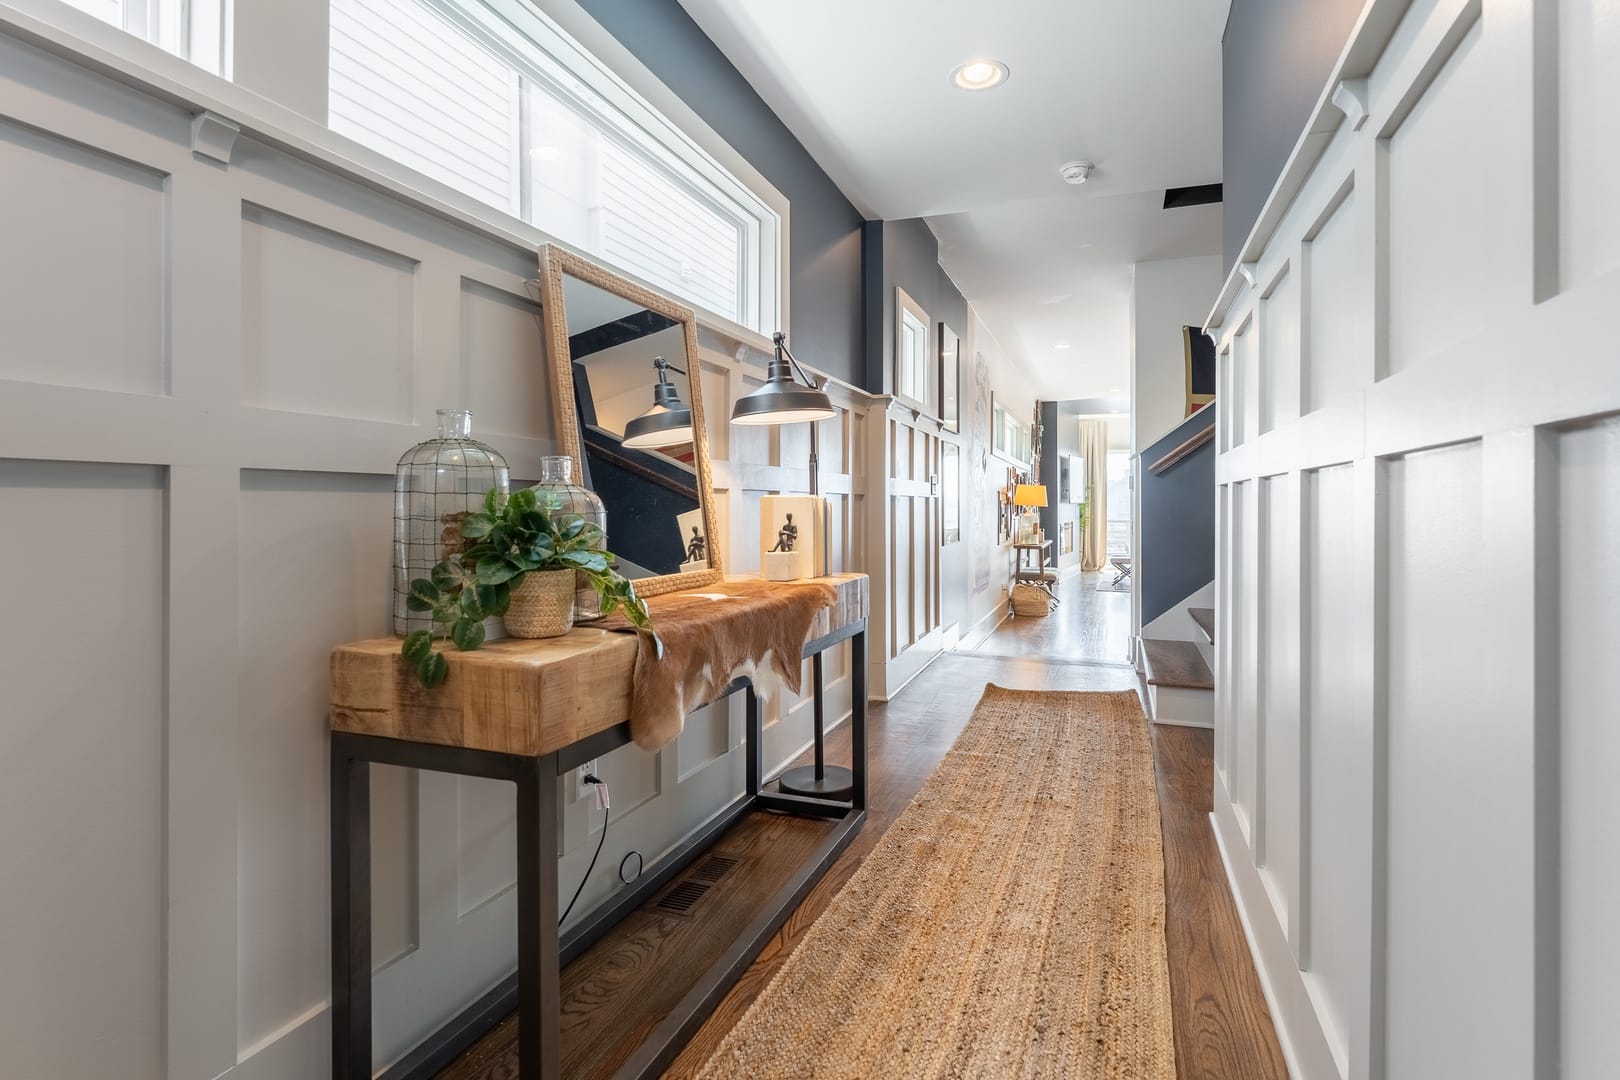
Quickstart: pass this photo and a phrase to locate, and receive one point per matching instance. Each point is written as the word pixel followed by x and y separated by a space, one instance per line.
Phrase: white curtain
pixel 1094 448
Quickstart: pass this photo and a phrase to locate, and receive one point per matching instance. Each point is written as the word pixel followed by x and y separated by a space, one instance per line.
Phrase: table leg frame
pixel 536 990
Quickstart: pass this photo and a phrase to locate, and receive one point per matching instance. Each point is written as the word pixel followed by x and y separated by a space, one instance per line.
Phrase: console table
pixel 530 712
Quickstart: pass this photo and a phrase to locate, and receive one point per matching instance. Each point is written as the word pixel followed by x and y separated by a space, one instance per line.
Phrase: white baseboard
pixel 1185 723
pixel 1299 1032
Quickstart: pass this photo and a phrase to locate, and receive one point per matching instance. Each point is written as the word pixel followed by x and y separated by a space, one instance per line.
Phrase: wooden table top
pixel 516 695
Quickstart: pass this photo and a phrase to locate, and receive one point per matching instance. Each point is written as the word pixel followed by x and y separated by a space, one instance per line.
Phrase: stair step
pixel 1177 664
pixel 1205 618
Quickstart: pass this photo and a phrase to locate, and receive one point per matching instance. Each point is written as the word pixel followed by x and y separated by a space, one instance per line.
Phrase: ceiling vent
pixel 1197 195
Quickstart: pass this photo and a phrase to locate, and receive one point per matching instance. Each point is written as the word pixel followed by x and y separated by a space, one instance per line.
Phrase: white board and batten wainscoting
pixel 1417 568
pixel 211 361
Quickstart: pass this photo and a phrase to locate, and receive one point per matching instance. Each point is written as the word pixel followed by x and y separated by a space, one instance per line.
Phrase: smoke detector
pixel 1076 172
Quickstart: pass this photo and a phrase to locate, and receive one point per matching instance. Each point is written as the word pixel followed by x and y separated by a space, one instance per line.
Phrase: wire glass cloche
pixel 438 483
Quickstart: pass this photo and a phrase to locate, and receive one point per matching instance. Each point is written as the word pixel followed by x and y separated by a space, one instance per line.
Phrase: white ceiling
pixel 1132 85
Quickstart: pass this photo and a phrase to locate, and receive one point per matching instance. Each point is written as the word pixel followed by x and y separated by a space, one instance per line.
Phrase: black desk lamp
pixel 791 396
pixel 668 421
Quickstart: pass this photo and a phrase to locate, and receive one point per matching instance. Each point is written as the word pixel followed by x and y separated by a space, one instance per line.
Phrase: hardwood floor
pixel 1223 1030
pixel 1085 626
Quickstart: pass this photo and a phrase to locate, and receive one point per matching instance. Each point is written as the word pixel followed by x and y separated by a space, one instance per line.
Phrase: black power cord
pixel 606 812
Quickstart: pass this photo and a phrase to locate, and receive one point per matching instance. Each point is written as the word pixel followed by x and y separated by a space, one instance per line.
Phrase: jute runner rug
pixel 1010 923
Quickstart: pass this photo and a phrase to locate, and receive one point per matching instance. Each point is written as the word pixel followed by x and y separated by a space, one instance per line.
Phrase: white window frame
pixel 528 39
pixel 196 32
pixel 912 387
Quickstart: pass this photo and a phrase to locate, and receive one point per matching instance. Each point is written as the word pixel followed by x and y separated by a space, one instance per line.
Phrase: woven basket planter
pixel 542 605
pixel 1031 601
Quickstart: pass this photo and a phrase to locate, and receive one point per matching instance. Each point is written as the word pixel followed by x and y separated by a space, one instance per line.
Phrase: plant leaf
pixel 418 643
pixel 447 575
pixel 573 527
pixel 433 668
pixel 520 502
pixel 593 561
pixel 477 526
pixel 496 570
pixel 494 599
pixel 416 603
pixel 425 590
pixel 492 504
pixel 470 605
pixel 468 634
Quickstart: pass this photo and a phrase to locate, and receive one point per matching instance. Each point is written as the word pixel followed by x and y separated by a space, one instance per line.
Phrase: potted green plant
pixel 520 561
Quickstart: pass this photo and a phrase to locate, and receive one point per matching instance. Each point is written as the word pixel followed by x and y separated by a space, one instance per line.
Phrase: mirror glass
pixel 632 396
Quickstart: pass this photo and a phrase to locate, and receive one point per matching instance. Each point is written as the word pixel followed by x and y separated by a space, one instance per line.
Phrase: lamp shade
pixel 782 402
pixel 666 423
pixel 783 399
pixel 1030 495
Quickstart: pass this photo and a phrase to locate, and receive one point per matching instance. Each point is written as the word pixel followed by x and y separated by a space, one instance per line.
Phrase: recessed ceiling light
pixel 1114 390
pixel 1061 345
pixel 980 74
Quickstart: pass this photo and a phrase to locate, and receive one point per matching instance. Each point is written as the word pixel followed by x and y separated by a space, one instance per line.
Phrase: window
pixel 193 30
pixel 1119 502
pixel 913 367
pixel 1010 438
pixel 490 98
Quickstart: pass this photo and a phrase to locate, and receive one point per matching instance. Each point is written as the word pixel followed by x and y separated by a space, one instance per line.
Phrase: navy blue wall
pixel 1178 521
pixel 825 239
pixel 1275 59
pixel 905 254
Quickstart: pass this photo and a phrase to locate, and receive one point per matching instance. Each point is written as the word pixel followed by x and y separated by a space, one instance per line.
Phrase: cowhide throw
pixel 712 636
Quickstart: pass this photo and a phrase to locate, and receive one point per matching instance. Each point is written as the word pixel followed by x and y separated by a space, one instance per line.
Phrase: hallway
pixel 1086 626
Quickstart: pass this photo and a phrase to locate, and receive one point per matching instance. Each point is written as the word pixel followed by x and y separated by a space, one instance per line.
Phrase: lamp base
pixel 836 782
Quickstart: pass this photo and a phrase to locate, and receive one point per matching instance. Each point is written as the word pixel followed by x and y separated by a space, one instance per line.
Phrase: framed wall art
pixel 950 372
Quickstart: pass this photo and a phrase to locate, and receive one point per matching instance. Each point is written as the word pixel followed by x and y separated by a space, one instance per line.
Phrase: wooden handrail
pixel 1193 443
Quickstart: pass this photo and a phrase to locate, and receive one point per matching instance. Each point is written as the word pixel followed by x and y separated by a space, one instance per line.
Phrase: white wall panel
pixel 1589 93
pixel 1242 736
pixel 1589 682
pixel 1456 786
pixel 1339 763
pixel 1452 210
pixel 88 306
pixel 1338 293
pixel 1245 380
pixel 309 577
pixel 1280 773
pixel 328 321
pixel 1279 353
pixel 82 771
pixel 503 362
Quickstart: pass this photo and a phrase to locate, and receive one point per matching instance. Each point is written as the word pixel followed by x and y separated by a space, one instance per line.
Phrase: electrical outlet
pixel 581 788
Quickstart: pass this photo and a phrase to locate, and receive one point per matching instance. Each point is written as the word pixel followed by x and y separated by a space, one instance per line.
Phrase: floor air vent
pixel 714 868
pixel 680 899
pixel 686 893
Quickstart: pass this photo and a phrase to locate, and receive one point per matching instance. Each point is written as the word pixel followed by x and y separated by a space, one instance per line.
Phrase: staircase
pixel 1176 564
pixel 1181 685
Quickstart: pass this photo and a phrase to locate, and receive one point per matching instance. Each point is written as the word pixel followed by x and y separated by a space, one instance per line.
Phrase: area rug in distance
pixel 1010 923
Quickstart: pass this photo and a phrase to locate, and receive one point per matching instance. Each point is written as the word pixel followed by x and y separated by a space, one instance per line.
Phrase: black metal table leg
pixel 752 736
pixel 539 962
pixel 351 913
pixel 857 718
